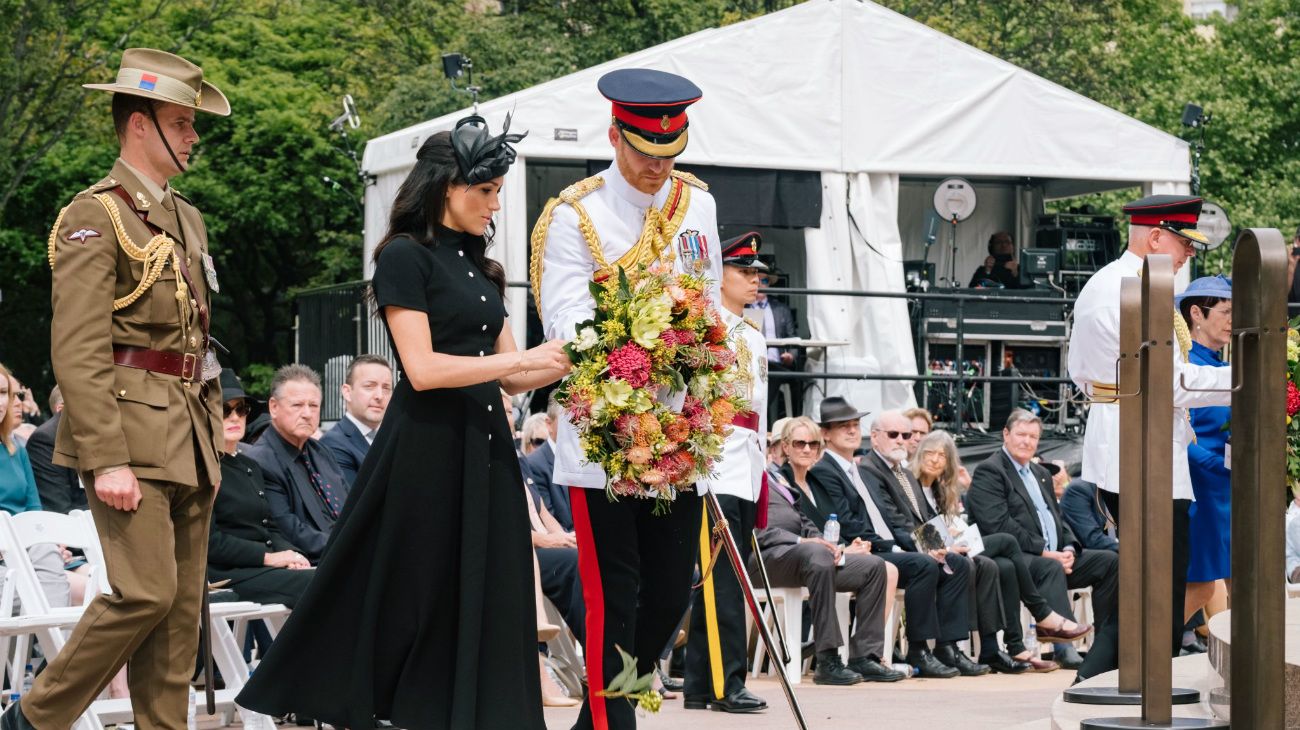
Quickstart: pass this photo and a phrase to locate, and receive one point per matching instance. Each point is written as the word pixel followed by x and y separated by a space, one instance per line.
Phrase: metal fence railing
pixel 337 323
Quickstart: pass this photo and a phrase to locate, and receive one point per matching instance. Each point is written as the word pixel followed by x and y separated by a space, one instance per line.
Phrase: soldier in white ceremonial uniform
pixel 715 651
pixel 1163 224
pixel 636 567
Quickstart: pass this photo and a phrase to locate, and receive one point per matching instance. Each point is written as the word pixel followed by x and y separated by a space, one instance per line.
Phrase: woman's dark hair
pixel 1185 307
pixel 422 199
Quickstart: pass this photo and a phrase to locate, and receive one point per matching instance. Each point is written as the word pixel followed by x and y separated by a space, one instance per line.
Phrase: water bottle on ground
pixel 191 717
pixel 1031 639
pixel 29 677
pixel 831 532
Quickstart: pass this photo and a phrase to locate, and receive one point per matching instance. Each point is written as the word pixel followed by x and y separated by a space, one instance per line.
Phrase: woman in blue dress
pixel 1206 306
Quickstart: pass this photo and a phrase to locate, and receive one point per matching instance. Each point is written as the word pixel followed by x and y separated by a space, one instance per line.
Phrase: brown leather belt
pixel 182 365
pixel 748 419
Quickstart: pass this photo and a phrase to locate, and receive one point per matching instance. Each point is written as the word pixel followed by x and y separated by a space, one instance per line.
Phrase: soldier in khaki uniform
pixel 142 425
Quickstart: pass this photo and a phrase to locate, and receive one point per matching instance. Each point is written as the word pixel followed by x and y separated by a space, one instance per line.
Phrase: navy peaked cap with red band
pixel 649 107
pixel 1175 213
pixel 743 251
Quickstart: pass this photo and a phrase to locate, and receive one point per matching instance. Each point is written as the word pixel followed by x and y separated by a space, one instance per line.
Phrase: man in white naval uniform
pixel 635 567
pixel 715 651
pixel 1164 224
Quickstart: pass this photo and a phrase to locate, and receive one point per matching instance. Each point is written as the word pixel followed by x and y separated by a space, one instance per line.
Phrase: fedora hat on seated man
pixel 836 409
pixel 164 76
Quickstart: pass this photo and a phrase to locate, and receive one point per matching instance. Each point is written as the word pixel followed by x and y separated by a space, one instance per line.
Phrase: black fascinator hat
pixel 481 156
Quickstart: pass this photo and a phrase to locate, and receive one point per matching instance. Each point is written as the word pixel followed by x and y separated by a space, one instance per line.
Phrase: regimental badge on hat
pixel 649 108
pixel 1177 214
pixel 743 251
pixel 165 77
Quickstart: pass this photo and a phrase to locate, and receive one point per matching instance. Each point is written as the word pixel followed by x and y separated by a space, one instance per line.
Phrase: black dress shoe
pixel 670 684
pixel 927 666
pixel 831 670
pixel 1003 663
pixel 873 671
pixel 740 701
pixel 14 719
pixel 695 703
pixel 952 656
pixel 1067 656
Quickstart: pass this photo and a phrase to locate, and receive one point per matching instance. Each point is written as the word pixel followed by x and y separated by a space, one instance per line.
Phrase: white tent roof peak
pixel 847 86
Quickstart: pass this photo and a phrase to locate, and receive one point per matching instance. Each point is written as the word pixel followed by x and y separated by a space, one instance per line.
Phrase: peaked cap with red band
pixel 743 251
pixel 1177 214
pixel 649 108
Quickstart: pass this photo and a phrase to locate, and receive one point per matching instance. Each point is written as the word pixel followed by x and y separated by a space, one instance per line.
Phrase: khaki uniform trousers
pixel 156 559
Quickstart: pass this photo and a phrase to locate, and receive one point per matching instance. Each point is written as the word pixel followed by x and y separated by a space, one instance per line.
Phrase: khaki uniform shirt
pixel 163 428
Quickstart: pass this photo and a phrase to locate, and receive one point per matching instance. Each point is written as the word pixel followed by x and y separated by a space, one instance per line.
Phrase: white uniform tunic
pixel 618 213
pixel 739 472
pixel 1094 349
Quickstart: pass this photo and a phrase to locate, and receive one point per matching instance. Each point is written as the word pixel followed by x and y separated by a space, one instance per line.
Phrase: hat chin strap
pixel 166 145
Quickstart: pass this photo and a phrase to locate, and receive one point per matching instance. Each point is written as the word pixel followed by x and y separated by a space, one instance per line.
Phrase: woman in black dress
pixel 421 612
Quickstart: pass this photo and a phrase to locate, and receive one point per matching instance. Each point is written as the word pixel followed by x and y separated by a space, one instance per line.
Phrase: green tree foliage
pixel 277 227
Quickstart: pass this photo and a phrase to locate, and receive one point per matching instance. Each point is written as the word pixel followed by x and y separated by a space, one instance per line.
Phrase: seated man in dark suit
pixel 936 601
pixel 1010 493
pixel 905 508
pixel 305 486
pixel 539 466
pixel 1084 513
pixel 58 486
pixel 796 554
pixel 366 390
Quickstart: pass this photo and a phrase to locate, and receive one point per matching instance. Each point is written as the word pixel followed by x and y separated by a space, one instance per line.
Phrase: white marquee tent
pixel 865 97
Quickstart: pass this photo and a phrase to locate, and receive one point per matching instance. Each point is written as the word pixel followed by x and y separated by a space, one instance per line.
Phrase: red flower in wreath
pixel 1292 398
pixel 630 363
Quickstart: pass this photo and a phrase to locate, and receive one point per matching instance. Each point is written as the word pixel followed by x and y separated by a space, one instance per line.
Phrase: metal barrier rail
pixel 369 337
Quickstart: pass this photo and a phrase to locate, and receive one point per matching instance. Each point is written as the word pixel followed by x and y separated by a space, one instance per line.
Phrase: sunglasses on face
pixel 240 408
pixel 537 442
pixel 800 445
pixel 905 435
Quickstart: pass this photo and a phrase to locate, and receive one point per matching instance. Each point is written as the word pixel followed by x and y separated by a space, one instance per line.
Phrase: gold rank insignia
pixel 664 124
pixel 143 201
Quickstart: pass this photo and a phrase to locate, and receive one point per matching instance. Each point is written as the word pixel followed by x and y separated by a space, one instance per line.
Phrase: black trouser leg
pixel 560 584
pixel 718 615
pixel 918 576
pixel 1049 575
pixel 636 582
pixel 1179 551
pixel 986 615
pixel 954 598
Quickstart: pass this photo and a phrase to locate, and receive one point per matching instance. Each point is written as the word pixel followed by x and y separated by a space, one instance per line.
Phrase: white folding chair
pixel 17 534
pixel 226 653
pixel 788 612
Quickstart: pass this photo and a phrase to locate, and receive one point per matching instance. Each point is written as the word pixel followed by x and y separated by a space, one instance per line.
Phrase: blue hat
pixel 1218 287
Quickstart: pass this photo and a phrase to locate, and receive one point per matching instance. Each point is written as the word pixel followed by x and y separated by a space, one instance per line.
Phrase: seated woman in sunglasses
pixel 244 546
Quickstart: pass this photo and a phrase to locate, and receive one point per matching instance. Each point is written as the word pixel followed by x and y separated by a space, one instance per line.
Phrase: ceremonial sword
pixel 742 577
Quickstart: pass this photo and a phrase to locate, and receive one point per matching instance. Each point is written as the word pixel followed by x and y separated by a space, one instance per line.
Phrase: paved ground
pixel 994 702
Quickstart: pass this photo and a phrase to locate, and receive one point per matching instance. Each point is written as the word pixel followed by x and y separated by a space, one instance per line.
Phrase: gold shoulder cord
pixel 658 230
pixel 569 195
pixel 155 254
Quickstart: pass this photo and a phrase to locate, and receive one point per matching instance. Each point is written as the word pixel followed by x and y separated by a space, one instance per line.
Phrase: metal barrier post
pixel 1258 479
pixel 1158 439
pixel 1132 465
pixel 1145 449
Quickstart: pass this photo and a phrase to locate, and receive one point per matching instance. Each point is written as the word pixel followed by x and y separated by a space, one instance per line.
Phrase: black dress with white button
pixel 422 610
